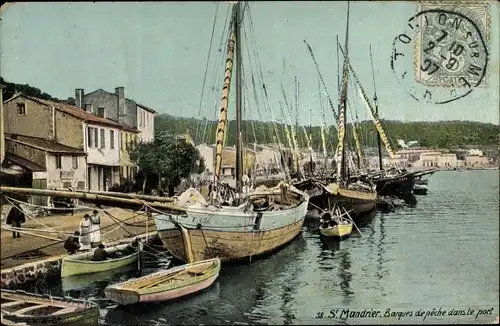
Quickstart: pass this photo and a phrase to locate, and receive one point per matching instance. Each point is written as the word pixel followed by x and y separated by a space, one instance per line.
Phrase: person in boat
pixel 95 236
pixel 100 253
pixel 72 244
pixel 85 232
pixel 15 218
pixel 132 247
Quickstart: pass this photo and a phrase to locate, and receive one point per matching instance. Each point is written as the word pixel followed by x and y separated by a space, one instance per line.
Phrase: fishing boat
pixel 83 264
pixel 336 226
pixel 20 307
pixel 169 284
pixel 354 194
pixel 236 224
pixel 420 189
pixel 166 285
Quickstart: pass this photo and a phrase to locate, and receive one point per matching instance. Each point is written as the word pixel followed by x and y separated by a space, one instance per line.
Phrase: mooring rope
pixel 61 241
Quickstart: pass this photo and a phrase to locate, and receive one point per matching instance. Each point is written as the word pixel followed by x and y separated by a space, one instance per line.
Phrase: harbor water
pixel 436 262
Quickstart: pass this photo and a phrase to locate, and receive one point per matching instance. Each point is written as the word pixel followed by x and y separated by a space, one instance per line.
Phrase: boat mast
pixel 239 156
pixel 380 165
pixel 341 163
pixel 370 108
pixel 221 126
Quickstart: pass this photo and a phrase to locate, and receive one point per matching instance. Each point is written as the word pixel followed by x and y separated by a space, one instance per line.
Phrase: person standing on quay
pixel 85 232
pixel 15 219
pixel 96 229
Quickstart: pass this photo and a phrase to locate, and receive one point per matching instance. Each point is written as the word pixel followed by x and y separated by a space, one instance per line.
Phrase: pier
pixel 31 257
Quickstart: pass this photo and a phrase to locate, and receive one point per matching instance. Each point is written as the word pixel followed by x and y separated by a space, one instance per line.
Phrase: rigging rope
pixel 59 242
pixel 206 69
pixel 332 107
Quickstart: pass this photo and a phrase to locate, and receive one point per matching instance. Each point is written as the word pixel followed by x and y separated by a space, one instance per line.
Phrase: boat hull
pixel 338 231
pixel 80 264
pixel 398 186
pixel 229 246
pixel 235 233
pixel 358 202
pixel 31 308
pixel 420 190
pixel 124 294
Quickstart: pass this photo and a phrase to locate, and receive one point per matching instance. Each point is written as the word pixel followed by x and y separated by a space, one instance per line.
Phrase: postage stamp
pixel 449 46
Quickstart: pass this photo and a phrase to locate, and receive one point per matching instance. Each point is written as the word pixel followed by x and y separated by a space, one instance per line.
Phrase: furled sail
pixel 221 127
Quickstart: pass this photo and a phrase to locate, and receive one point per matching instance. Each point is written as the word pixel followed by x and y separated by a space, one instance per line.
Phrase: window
pixel 21 108
pixel 67 184
pixel 103 139
pixel 101 112
pixel 75 162
pixel 81 185
pixel 112 139
pixel 58 161
pixel 89 136
pixel 140 117
pixel 96 137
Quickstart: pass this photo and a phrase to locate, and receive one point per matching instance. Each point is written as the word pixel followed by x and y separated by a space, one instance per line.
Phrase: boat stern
pixel 121 296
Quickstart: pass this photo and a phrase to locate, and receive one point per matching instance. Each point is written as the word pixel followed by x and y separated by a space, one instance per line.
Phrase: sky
pixel 158 51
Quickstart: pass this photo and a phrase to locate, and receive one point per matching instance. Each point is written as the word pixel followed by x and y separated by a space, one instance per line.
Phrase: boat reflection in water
pixel 410 200
pixel 335 261
pixel 81 282
pixel 242 294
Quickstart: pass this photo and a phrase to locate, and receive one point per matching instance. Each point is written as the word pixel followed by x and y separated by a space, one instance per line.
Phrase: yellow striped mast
pixel 343 101
pixel 221 126
pixel 374 115
pixel 358 145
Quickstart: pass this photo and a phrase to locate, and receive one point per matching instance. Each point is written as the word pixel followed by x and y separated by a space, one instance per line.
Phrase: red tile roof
pixel 44 144
pixel 79 113
pixel 24 163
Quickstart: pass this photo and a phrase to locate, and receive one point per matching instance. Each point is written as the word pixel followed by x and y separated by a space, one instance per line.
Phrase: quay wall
pixel 48 268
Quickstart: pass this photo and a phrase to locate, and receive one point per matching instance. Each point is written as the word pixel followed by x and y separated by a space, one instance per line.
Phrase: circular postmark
pixel 447 51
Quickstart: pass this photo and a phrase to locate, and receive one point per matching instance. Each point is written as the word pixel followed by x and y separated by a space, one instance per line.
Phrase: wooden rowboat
pixel 166 285
pixel 335 224
pixel 339 230
pixel 83 264
pixel 21 308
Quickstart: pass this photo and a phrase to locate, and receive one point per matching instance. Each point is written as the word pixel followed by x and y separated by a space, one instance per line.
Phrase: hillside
pixel 440 134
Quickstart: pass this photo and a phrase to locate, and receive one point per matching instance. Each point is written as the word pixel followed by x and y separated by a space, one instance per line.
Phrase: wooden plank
pixel 163 279
pixel 28 309
pixel 12 304
pixel 64 311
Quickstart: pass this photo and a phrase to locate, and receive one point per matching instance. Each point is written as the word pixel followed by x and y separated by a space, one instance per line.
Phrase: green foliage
pixel 165 157
pixel 440 134
pixel 11 88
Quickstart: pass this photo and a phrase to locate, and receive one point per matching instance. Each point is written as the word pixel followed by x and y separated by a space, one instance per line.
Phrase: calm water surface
pixel 442 253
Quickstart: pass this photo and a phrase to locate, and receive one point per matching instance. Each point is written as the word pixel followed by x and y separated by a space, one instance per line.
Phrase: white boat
pixel 233 233
pixel 264 219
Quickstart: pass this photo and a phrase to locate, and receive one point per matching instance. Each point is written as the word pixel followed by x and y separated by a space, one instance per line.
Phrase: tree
pixel 167 159
pixel 201 165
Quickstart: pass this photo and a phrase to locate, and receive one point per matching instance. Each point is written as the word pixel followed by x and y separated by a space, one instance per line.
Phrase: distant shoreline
pixel 465 168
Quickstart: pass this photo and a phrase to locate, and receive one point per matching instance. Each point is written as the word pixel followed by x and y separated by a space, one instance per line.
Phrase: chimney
pixel 120 94
pixel 88 108
pixel 79 97
pixel 101 112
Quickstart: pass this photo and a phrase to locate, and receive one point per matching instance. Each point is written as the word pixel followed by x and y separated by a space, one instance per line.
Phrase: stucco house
pixel 73 127
pixel 118 108
pixel 50 165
